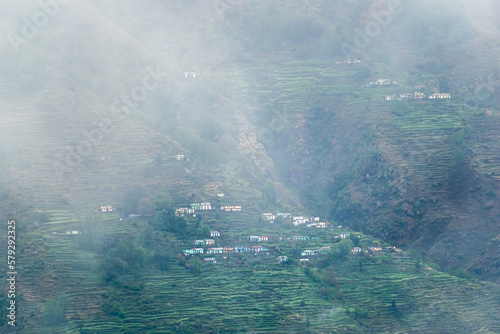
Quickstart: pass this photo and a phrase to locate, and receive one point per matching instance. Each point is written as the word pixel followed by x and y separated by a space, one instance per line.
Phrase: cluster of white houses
pixel 208 242
pixel 297 221
pixel 417 96
pixel 183 211
pixel 210 260
pixel 205 207
pixel 407 96
pixel 226 249
pixel 70 232
pixel 257 249
pixel 321 251
pixel 106 208
pixel 317 224
pixel 357 250
pixel 205 242
pixel 231 208
pixel 383 82
pixel 201 206
pixel 299 237
pixel 271 217
pixel 193 207
pixel 309 222
pixel 255 238
pixel 188 74
pixel 326 249
pixel 354 60
pixel 192 74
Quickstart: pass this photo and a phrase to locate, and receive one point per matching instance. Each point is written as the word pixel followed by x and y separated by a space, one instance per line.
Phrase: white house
pixel 356 250
pixel 106 208
pixel 300 220
pixel 201 206
pixel 231 208
pixel 440 96
pixel 217 250
pixel 383 82
pixel 269 216
pixel 307 252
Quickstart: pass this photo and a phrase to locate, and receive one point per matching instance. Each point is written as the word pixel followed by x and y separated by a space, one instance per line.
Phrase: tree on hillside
pixel 131 200
pixel 126 258
pixel 145 207
pixel 161 258
pixel 338 253
pixel 167 221
pixel 329 276
pixel 162 200
pixel 195 266
pixel 54 310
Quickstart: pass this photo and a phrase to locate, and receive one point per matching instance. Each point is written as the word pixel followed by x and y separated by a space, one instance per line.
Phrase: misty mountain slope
pixel 447 202
pixel 269 109
pixel 435 183
pixel 73 147
pixel 415 179
pixel 239 116
pixel 79 60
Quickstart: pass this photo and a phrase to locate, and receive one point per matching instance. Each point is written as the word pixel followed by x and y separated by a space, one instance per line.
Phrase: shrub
pixel 113 308
pixel 54 310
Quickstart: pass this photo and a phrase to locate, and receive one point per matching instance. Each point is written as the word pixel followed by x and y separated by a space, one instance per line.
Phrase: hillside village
pixel 269 245
pixel 320 264
pixel 213 244
pixel 385 82
pixel 416 95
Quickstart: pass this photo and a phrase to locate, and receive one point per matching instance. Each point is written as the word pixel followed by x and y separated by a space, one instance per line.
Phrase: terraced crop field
pixel 381 293
pixel 89 164
pixel 419 140
pixel 385 292
pixel 485 130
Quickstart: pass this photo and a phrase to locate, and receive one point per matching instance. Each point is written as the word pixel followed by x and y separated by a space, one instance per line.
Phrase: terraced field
pixel 419 140
pixel 85 171
pixel 389 292
pixel 419 172
pixel 485 129
pixel 381 293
